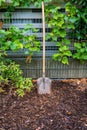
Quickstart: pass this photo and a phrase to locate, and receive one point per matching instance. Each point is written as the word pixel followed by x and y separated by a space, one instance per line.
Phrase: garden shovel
pixel 44 83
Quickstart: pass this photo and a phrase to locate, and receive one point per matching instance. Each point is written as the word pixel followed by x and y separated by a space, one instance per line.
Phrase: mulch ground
pixel 64 109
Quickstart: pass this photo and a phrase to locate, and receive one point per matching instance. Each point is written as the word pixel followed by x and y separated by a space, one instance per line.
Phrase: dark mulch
pixel 64 109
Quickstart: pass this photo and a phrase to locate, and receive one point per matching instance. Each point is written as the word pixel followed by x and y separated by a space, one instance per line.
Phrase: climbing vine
pixel 65 26
pixel 68 26
pixel 80 32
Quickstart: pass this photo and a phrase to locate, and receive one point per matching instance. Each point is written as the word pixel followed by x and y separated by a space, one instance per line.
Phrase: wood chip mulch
pixel 64 109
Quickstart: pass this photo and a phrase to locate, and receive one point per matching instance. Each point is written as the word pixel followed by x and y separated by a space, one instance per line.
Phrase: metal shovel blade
pixel 44 87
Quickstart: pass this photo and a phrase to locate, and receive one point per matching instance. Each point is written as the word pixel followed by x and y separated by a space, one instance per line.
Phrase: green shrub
pixel 11 75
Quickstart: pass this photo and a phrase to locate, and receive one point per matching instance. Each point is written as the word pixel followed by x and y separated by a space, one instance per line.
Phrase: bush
pixel 11 77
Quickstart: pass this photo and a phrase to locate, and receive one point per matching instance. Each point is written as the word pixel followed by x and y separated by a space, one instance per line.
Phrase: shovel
pixel 43 83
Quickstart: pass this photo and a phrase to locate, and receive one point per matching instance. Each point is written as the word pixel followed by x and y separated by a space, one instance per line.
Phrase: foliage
pixel 79 4
pixel 80 32
pixel 11 74
pixel 71 24
pixel 81 51
pixel 60 22
pixel 63 51
pixel 15 39
pixel 81 23
pixel 23 3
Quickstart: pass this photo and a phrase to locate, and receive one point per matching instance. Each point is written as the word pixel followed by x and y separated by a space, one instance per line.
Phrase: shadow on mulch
pixel 64 109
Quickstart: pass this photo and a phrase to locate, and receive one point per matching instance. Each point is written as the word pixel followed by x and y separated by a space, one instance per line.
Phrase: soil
pixel 64 109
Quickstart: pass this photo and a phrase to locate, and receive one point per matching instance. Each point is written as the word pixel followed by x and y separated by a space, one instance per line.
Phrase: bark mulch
pixel 64 109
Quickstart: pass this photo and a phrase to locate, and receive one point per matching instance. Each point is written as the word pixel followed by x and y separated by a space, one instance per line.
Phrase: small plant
pixel 11 76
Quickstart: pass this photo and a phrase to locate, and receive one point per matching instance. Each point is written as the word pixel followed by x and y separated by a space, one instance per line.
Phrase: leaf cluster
pixel 15 39
pixel 81 51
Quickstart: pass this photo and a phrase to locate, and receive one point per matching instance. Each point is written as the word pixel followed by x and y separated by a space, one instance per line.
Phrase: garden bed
pixel 64 109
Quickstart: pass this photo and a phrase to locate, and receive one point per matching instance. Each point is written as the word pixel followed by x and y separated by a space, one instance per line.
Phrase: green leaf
pixel 59 44
pixel 8 43
pixel 66 18
pixel 62 33
pixel 82 50
pixel 60 23
pixel 28 27
pixel 47 37
pixel 73 19
pixel 65 60
pixel 67 53
pixel 71 26
pixel 13 47
pixel 2 31
pixel 84 57
pixel 56 56
pixel 16 3
pixel 63 48
pixel 20 92
pixel 77 45
pixel 66 41
pixel 54 38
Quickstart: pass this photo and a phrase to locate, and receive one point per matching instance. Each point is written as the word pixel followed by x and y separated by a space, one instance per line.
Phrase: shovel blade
pixel 44 86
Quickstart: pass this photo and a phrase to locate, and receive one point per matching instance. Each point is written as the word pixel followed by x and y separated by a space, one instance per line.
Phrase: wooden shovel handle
pixel 43 20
